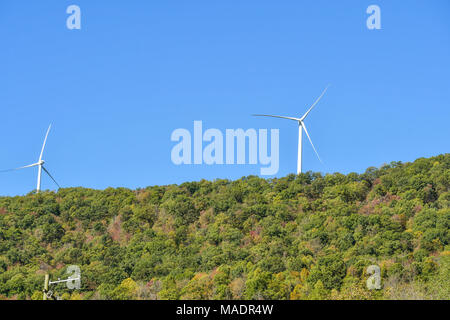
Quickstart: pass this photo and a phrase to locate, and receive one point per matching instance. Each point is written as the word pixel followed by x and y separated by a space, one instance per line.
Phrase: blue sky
pixel 137 70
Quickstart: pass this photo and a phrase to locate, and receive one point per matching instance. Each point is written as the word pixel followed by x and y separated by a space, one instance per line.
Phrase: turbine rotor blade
pixel 306 131
pixel 272 116
pixel 24 167
pixel 45 141
pixel 314 104
pixel 46 171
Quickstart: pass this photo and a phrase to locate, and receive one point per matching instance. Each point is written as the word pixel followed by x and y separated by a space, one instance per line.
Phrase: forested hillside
pixel 310 236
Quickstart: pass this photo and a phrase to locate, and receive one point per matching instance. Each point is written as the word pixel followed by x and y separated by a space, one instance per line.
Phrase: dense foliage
pixel 299 237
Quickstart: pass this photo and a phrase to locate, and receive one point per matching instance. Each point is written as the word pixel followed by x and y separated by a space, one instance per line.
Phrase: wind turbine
pixel 40 165
pixel 301 127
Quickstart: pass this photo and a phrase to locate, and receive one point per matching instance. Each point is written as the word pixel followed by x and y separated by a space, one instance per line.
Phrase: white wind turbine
pixel 301 125
pixel 40 165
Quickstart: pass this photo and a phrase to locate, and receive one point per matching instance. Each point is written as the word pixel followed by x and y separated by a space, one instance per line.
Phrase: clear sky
pixel 137 70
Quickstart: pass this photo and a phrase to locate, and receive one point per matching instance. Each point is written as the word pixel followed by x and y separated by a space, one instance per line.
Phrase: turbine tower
pixel 40 165
pixel 301 127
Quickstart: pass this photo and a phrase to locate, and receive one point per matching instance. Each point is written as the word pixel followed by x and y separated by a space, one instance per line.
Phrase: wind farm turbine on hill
pixel 40 165
pixel 301 127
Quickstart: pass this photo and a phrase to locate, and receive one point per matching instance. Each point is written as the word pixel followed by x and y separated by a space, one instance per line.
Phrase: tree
pixel 127 290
